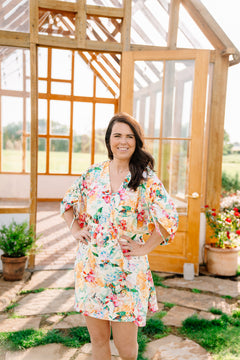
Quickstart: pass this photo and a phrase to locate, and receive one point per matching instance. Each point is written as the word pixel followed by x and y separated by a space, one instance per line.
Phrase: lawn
pixel 231 164
pixel 12 160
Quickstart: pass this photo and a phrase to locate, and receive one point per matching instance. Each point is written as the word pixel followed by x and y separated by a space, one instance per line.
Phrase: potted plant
pixel 222 253
pixel 16 241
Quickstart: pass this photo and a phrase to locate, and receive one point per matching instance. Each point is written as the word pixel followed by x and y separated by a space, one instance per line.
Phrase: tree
pixel 227 146
pixel 12 133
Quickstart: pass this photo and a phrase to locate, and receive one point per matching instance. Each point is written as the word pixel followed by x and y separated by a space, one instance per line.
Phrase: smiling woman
pixel 115 204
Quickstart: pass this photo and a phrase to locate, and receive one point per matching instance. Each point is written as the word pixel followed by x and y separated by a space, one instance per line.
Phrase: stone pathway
pixel 45 310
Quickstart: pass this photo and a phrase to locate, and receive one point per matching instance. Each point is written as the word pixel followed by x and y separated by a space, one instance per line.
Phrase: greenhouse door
pixel 166 92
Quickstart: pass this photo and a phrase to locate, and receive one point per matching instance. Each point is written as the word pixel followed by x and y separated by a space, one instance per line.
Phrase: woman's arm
pixel 80 234
pixel 133 248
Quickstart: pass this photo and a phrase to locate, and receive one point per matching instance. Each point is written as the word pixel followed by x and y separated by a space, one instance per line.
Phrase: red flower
pixel 228 235
pixel 213 209
pixel 237 214
pixel 236 209
pixel 214 214
pixel 206 206
pixel 238 232
pixel 228 220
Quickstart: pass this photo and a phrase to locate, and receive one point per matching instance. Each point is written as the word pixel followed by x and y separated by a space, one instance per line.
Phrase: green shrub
pixel 17 240
pixel 230 183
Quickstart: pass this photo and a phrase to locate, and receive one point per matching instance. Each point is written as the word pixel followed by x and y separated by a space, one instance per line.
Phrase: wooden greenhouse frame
pixel 223 55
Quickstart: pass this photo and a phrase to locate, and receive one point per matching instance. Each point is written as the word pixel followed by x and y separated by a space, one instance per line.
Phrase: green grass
pixel 168 305
pixel 221 337
pixel 231 164
pixel 197 291
pixel 25 339
pixel 10 307
pixel 12 161
pixel 158 280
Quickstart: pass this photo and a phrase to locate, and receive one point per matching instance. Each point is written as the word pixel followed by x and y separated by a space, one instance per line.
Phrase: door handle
pixel 194 195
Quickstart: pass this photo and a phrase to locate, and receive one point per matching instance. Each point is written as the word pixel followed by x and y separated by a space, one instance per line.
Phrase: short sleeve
pixel 74 198
pixel 162 210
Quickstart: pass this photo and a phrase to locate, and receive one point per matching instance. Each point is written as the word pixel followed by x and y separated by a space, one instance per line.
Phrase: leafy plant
pixel 225 225
pixel 17 240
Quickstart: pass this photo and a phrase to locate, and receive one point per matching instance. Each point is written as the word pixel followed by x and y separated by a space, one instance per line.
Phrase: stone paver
pixel 9 289
pixel 46 302
pixel 175 348
pixel 53 319
pixel 18 324
pixel 192 300
pixel 207 283
pixel 71 321
pixel 87 349
pixel 177 315
pixel 51 279
pixel 43 352
pixel 208 315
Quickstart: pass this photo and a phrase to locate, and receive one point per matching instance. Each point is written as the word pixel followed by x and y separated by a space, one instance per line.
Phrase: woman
pixel 110 208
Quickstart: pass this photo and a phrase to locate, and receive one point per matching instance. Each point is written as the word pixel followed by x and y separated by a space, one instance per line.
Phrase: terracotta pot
pixel 223 262
pixel 13 268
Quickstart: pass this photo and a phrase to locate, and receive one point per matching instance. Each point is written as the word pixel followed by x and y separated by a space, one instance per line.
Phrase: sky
pixel 226 13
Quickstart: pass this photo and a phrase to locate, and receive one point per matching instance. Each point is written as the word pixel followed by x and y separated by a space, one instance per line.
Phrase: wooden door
pixel 166 92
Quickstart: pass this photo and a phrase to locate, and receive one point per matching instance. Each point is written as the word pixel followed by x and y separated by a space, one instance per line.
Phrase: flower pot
pixel 223 262
pixel 13 268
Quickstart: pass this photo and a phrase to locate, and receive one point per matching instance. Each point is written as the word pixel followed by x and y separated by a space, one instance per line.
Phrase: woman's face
pixel 122 141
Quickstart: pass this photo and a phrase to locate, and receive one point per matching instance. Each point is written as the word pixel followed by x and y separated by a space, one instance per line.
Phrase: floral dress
pixel 109 285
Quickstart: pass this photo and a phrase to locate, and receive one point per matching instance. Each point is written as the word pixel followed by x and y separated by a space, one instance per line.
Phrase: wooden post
pixel 34 119
pixel 126 26
pixel 173 24
pixel 34 142
pixel 81 24
pixel 216 132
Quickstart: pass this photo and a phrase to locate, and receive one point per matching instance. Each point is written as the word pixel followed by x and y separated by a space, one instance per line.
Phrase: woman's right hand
pixel 82 235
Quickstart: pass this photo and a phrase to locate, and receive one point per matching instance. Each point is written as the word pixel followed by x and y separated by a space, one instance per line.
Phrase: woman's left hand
pixel 132 248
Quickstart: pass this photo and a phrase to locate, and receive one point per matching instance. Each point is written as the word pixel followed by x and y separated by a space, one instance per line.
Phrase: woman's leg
pixel 125 339
pixel 99 331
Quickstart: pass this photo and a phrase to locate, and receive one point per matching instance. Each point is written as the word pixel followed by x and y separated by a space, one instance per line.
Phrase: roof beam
pixel 209 26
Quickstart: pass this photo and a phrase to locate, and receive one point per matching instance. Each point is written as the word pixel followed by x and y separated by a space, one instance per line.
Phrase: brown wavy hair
pixel 141 160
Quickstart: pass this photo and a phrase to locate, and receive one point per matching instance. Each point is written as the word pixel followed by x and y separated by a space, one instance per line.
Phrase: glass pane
pixel 59 117
pixel 102 90
pixel 12 130
pixel 189 34
pixel 59 156
pixel 110 3
pixel 178 92
pixel 60 88
pixel 42 62
pixel 28 154
pixel 12 64
pixel 14 15
pixel 42 116
pixel 42 155
pixel 61 64
pixel 42 86
pixel 149 25
pixel 83 76
pixel 82 134
pixel 104 113
pixel 147 101
pixel 103 29
pixel 174 169
pixel 152 146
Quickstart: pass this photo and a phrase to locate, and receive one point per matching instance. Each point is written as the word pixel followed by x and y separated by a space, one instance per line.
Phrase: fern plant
pixel 17 240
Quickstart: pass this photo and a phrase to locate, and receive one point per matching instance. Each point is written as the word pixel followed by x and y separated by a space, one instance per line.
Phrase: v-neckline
pixel 125 181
